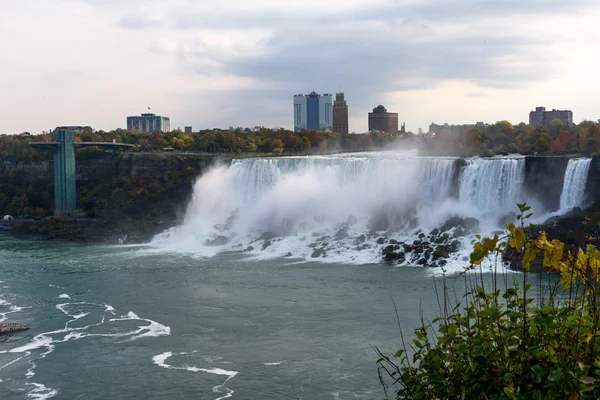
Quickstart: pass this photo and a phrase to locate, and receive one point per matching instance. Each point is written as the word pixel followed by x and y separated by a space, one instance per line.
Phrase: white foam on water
pixel 64 296
pixel 41 392
pixel 44 344
pixel 161 361
pixel 269 364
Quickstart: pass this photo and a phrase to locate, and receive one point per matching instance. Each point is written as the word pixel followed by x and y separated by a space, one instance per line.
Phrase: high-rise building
pixel 149 123
pixel 542 117
pixel 188 130
pixel 340 114
pixel 382 120
pixel 313 112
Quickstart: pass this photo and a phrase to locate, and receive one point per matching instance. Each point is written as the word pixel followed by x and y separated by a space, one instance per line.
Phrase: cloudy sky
pixel 239 63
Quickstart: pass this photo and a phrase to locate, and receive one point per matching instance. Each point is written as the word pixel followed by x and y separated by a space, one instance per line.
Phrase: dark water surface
pixel 118 322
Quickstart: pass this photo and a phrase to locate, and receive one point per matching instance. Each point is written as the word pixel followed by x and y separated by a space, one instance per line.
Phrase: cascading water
pixel 573 192
pixel 344 208
pixel 492 185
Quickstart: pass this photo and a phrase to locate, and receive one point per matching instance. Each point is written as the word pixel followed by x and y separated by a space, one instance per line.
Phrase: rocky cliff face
pixel 104 165
pixel 544 180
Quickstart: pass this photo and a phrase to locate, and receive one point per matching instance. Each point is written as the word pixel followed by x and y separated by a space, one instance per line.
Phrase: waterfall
pixel 345 204
pixel 573 192
pixel 492 184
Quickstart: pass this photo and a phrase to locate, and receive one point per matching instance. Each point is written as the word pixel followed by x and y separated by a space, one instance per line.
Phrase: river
pixel 110 322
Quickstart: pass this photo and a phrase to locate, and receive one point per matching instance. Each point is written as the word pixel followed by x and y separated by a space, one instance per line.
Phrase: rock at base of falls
pixel 7 328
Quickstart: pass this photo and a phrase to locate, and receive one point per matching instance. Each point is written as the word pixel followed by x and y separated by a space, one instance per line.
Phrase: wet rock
pixel 418 250
pixel 408 248
pixel 417 242
pixel 363 247
pixel 468 224
pixel 422 261
pixel 390 256
pixel 428 253
pixel 455 245
pixel 460 232
pixel 360 240
pixel 342 234
pixel 425 244
pixel 7 328
pixel 440 252
pixel 393 241
pixel 442 263
pixel 435 232
pixel 421 235
pixel 288 255
pixel 380 240
pixel 218 241
pixel 266 244
pixel 440 240
pixel 318 253
pixel 249 248
pixel 313 245
pixel 267 236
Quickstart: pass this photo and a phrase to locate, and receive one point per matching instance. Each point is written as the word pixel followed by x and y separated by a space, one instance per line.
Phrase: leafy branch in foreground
pixel 510 342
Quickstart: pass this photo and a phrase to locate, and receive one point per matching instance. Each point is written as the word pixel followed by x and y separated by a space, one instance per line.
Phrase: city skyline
pixel 96 61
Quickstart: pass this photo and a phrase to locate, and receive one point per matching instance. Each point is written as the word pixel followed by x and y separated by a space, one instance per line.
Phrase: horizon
pixel 97 62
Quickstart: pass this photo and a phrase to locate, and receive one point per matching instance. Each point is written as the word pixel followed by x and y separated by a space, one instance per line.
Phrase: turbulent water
pixel 292 206
pixel 576 175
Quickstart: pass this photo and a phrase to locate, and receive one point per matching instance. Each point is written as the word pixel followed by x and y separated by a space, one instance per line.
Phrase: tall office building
pixel 542 117
pixel 382 120
pixel 313 112
pixel 340 114
pixel 149 123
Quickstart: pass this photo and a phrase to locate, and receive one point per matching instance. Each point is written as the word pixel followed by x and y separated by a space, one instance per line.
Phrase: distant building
pixel 313 112
pixel 188 130
pixel 340 114
pixel 382 120
pixel 454 129
pixel 149 123
pixel 542 117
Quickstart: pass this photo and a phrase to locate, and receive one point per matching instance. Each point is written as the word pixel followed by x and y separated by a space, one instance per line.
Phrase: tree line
pixel 503 138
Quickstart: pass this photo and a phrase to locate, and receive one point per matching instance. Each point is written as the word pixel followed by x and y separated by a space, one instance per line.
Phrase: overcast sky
pixel 239 63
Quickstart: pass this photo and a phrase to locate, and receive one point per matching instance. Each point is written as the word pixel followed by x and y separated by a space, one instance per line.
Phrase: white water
pixel 291 206
pixel 492 186
pixel 573 192
pixel 83 320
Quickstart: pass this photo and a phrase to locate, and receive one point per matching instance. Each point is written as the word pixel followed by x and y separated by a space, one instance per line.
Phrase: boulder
pixel 249 248
pixel 381 240
pixel 7 328
pixel 318 253
pixel 266 244
pixel 267 236
pixel 342 234
pixel 218 241
pixel 360 240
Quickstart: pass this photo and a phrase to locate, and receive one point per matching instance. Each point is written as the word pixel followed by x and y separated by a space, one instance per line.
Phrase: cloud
pixel 133 21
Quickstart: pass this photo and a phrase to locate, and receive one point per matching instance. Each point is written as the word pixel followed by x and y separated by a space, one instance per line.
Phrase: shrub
pixel 514 342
